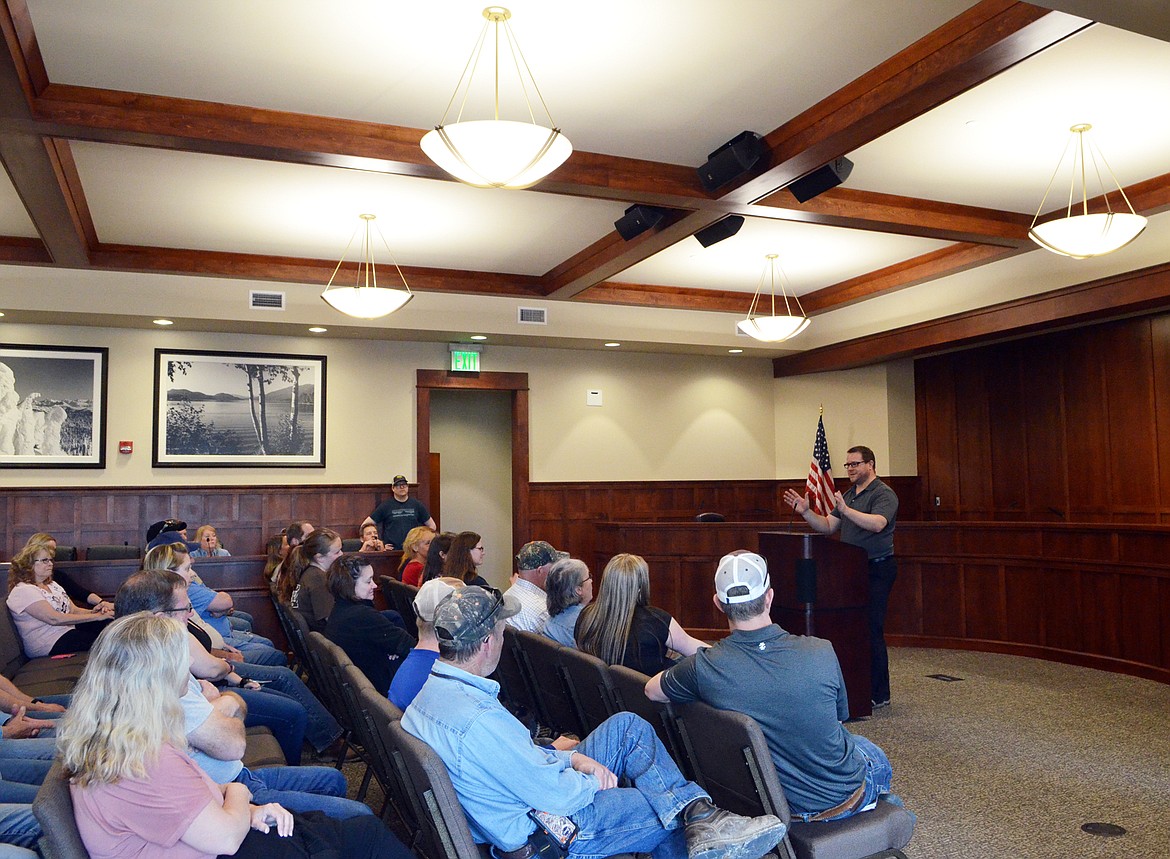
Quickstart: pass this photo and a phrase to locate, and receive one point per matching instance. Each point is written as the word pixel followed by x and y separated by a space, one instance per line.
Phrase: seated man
pixel 214 721
pixel 792 686
pixel 505 783
pixel 533 562
pixel 415 669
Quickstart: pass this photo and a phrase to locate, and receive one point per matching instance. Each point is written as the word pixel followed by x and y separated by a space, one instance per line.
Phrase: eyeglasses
pixel 857 464
pixel 181 610
pixel 43 561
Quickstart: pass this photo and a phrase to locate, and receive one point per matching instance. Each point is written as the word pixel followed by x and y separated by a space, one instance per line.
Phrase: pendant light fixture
pixel 1083 235
pixel 365 299
pixel 497 153
pixel 773 328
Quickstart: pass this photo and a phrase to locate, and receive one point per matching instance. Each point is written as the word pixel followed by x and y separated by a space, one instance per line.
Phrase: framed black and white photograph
pixel 238 409
pixel 52 407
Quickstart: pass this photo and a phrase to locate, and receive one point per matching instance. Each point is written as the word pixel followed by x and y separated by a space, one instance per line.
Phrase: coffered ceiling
pixel 156 152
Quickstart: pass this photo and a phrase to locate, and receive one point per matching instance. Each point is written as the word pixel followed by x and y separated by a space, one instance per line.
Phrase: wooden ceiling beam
pixel 971 48
pixel 300 270
pixel 1139 291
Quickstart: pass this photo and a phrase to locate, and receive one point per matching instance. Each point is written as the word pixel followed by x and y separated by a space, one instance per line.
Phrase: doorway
pixel 515 385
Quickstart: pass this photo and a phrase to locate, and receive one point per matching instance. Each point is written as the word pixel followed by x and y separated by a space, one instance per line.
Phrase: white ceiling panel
pixel 14 219
pixel 811 257
pixel 997 145
pixel 664 80
pixel 172 199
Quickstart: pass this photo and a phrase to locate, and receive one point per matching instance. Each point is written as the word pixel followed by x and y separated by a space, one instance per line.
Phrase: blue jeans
pixel 645 818
pixel 878 775
pixel 321 729
pixel 256 649
pixel 279 713
pixel 32 749
pixel 240 620
pixel 881 582
pixel 20 781
pixel 18 828
pixel 303 789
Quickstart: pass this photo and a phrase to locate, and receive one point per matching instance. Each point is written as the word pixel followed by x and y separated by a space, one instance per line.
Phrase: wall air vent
pixel 532 315
pixel 265 300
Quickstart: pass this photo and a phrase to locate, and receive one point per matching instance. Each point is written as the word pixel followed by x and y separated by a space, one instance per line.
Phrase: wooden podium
pixel 822 589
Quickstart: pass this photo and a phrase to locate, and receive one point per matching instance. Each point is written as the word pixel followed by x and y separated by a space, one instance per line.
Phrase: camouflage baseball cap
pixel 536 554
pixel 471 613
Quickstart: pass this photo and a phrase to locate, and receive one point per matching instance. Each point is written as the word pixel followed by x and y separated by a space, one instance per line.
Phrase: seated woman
pixel 437 556
pixel 414 555
pixel 275 550
pixel 375 645
pixel 80 595
pixel 304 583
pixel 621 627
pixel 135 790
pixel 568 589
pixel 464 559
pixel 48 621
pixel 208 541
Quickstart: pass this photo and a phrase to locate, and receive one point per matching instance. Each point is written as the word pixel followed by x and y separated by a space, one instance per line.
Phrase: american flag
pixel 820 474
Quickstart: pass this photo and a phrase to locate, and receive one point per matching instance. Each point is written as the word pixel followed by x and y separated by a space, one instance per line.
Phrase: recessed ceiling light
pixel 317 329
pixel 479 337
pixel 734 351
pixel 1 312
pixel 163 322
pixel 612 345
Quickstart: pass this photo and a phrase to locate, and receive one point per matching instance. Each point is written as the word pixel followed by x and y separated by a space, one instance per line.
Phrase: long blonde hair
pixel 21 570
pixel 169 556
pixel 125 707
pixel 413 538
pixel 603 628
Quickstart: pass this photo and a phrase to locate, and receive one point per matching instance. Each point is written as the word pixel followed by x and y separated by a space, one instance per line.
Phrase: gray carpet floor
pixel 1011 760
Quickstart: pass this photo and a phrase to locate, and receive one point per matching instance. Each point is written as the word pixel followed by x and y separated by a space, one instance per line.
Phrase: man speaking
pixel 865 516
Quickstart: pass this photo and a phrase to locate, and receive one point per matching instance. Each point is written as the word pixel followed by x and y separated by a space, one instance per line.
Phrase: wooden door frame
pixel 427 381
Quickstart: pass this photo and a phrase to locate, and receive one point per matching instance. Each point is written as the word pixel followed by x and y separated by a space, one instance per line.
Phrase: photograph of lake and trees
pixel 239 409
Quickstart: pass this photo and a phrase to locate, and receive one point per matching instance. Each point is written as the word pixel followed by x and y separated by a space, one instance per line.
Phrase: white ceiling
pixel 661 80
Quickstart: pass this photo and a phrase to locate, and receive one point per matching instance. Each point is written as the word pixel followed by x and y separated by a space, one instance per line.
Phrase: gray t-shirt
pixel 876 498
pixel 196 709
pixel 792 686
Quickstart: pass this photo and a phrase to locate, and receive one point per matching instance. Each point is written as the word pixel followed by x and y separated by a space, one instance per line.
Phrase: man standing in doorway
pixel 865 516
pixel 396 516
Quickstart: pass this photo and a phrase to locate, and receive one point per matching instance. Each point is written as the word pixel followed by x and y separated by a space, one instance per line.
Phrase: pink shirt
pixel 37 636
pixel 145 818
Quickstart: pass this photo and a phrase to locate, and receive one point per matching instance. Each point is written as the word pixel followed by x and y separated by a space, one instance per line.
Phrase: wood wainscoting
pixel 244 516
pixel 1092 595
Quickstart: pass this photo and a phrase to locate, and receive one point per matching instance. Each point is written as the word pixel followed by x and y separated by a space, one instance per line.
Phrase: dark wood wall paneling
pixel 1089 594
pixel 1067 427
pixel 243 516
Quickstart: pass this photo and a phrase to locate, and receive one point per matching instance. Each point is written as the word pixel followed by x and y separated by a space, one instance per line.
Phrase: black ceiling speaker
pixel 822 179
pixel 637 220
pixel 719 230
pixel 734 158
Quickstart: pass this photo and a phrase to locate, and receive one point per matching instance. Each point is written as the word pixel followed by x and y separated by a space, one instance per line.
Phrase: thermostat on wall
pixel 593 398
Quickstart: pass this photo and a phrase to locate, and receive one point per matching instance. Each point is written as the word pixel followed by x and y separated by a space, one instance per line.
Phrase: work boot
pixel 713 833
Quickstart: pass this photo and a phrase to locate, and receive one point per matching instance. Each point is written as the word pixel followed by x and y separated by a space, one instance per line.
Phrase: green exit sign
pixel 464 362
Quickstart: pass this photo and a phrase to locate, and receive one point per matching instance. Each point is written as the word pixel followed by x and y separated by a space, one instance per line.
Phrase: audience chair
pixel 383 714
pixel 730 759
pixel 53 807
pixel 297 663
pixel 400 597
pixel 351 544
pixel 443 833
pixel 629 689
pixel 590 686
pixel 358 687
pixel 299 627
pixel 710 517
pixel 542 659
pixel 65 553
pixel 515 683
pixel 328 661
pixel 44 675
pixel 113 553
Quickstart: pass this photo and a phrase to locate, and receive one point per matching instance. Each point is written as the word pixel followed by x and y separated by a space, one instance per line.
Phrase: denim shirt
pixel 498 773
pixel 201 597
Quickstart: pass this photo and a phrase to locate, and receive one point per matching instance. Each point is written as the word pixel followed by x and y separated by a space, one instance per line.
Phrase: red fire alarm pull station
pixel 125 447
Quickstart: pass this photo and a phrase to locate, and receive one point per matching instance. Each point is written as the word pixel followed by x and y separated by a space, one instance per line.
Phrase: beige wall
pixel 664 417
pixel 873 406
